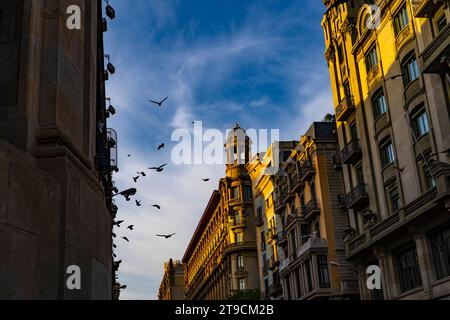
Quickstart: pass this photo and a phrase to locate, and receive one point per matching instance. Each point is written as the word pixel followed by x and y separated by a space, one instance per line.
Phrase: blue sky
pixel 256 62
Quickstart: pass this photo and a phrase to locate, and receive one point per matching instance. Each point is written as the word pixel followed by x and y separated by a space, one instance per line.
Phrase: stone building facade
pixel 306 201
pixel 172 284
pixel 54 156
pixel 221 259
pixel 389 72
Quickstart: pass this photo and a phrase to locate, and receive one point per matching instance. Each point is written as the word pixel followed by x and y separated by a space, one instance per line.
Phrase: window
pixel 426 175
pixel 420 123
pixel 394 198
pixel 269 201
pixel 401 20
pixel 371 58
pixel 247 193
pixel 441 23
pixel 237 217
pixel 440 248
pixel 379 104
pixel 240 262
pixel 410 70
pixel 263 240
pixel 365 23
pixel 324 276
pixel 359 174
pixel 386 153
pixel 235 193
pixel 340 54
pixel 305 230
pixel 293 242
pixel 241 284
pixel 408 270
pixel 239 237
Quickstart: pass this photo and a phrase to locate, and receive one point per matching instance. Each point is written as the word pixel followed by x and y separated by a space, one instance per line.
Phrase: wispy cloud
pixel 259 63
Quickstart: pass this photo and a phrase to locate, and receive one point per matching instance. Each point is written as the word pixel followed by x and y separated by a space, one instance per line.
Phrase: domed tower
pixel 238 151
pixel 236 189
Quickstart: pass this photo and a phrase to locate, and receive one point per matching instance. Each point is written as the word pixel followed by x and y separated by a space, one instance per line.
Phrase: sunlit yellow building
pixel 262 169
pixel 221 258
pixel 172 284
pixel 389 65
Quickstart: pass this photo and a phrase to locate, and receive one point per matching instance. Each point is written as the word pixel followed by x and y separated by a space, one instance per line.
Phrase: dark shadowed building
pixel 54 158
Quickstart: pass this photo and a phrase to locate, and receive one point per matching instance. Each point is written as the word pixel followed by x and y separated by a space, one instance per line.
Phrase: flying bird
pixel 117 223
pixel 138 203
pixel 205 180
pixel 129 156
pixel 157 206
pixel 142 173
pixel 136 178
pixel 161 146
pixel 159 169
pixel 167 236
pixel 130 227
pixel 126 239
pixel 160 102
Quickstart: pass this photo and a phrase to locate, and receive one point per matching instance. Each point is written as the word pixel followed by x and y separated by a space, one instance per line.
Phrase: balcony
pixel 345 108
pixel 239 246
pixel 310 210
pixel 279 206
pixel 351 152
pixel 307 171
pixel 295 184
pixel 313 246
pixel 355 199
pixel 436 51
pixel 272 234
pixel 426 8
pixel 282 239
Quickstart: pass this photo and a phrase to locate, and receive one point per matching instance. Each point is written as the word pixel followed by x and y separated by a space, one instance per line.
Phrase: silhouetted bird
pixel 122 287
pixel 205 180
pixel 117 223
pixel 138 203
pixel 160 102
pixel 142 173
pixel 129 156
pixel 161 146
pixel 157 206
pixel 130 227
pixel 126 239
pixel 167 236
pixel 159 169
pixel 136 178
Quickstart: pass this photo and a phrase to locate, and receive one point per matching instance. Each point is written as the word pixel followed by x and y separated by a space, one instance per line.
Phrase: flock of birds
pixel 143 174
